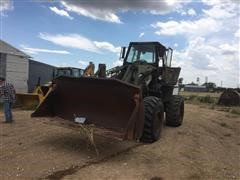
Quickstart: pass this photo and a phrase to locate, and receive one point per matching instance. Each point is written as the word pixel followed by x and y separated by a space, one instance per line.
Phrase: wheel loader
pixel 131 103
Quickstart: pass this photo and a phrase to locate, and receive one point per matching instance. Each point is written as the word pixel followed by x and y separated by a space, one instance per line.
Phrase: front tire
pixel 154 116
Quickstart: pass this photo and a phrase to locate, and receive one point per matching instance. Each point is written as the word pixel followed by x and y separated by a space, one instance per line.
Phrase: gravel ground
pixel 206 146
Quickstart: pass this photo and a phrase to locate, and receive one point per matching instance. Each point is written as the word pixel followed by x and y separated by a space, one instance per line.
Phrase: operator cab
pixel 148 52
pixel 68 72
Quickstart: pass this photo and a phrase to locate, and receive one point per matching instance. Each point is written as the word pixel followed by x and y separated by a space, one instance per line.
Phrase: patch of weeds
pixel 195 176
pixel 228 135
pixel 231 116
pixel 181 133
pixel 224 109
pixel 223 124
pixel 192 97
pixel 235 111
pixel 206 99
pixel 202 106
pixel 212 106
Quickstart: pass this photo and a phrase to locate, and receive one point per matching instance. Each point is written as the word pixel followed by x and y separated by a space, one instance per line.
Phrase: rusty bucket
pixel 107 103
pixel 229 97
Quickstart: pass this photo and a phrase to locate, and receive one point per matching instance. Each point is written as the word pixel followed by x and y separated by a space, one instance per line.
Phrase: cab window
pixel 141 53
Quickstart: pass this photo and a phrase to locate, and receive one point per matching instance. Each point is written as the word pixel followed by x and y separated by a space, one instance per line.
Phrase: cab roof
pixel 156 43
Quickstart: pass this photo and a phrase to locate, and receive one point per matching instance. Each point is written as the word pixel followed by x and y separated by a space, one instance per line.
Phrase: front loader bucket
pixel 107 103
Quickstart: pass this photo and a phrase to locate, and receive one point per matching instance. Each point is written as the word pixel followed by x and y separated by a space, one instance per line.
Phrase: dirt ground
pixel 206 146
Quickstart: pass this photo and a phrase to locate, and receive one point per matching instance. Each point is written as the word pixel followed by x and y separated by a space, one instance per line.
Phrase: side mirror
pixel 123 51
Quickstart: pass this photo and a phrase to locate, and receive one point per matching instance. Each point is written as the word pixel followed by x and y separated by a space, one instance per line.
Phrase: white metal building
pixel 20 70
pixel 14 66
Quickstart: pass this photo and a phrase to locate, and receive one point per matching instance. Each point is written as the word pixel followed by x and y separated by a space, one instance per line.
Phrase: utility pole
pixel 206 79
pixel 198 81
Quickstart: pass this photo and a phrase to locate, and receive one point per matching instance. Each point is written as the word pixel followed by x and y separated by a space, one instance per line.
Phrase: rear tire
pixel 154 117
pixel 175 111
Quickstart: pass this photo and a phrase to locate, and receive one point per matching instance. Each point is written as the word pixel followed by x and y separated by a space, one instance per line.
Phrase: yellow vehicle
pixel 89 71
pixel 32 100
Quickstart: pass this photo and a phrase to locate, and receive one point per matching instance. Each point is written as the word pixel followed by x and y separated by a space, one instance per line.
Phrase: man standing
pixel 7 93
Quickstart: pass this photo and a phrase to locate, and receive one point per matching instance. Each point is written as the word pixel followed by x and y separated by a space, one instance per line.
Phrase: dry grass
pixel 88 131
pixel 196 98
pixel 201 94
pixel 208 100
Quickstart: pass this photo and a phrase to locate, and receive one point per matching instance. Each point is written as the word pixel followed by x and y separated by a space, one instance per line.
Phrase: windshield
pixel 63 72
pixel 141 53
pixel 75 73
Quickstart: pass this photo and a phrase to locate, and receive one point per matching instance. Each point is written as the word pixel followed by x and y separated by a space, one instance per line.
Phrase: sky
pixel 204 34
